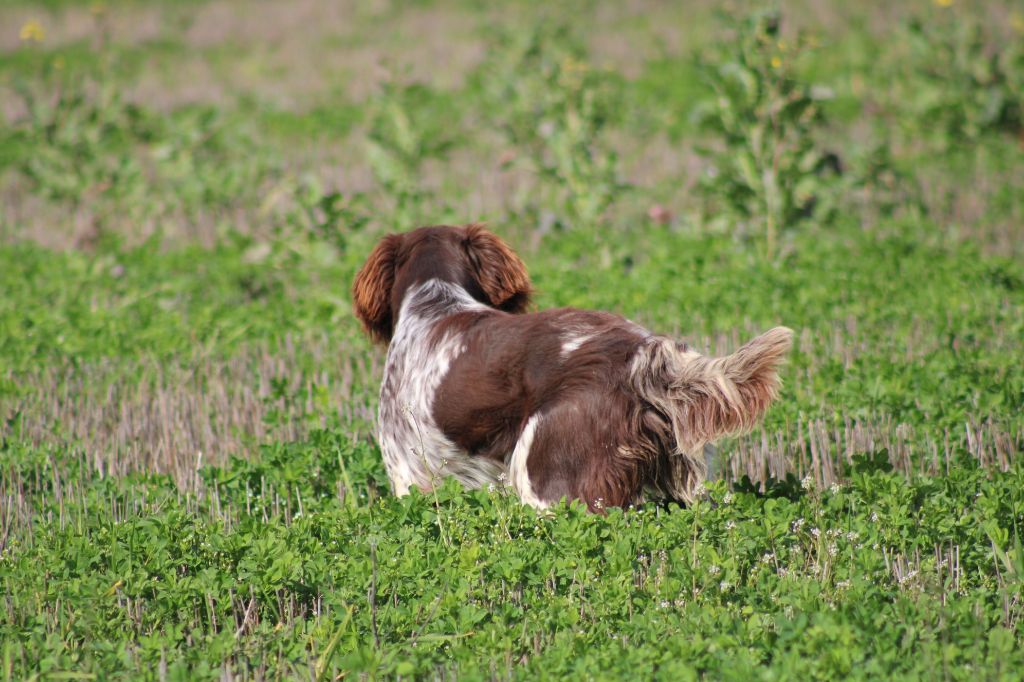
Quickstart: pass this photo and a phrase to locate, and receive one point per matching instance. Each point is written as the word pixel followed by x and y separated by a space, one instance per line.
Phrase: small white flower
pixel 768 557
pixel 816 569
pixel 874 517
pixel 599 503
pixel 724 586
pixel 727 499
pixel 834 488
pixel 700 490
pixel 853 536
pixel 714 570
pixel 502 477
pixel 815 532
pixel 664 604
pixel 730 525
pixel 833 550
pixel 843 584
pixel 909 576
pixel 798 524
pixel 491 488
pixel 807 483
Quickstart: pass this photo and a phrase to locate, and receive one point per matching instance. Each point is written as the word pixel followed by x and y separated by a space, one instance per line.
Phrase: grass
pixel 190 488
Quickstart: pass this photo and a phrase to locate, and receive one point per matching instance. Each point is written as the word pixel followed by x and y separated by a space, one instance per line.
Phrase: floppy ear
pixel 500 273
pixel 371 291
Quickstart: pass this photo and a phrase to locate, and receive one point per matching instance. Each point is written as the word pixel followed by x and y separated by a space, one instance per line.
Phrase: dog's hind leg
pixel 575 450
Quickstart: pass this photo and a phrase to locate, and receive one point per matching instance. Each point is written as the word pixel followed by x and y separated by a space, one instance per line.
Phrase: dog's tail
pixel 702 399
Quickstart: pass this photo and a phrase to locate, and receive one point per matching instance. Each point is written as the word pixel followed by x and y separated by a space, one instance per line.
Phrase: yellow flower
pixel 776 63
pixel 1017 21
pixel 32 31
pixel 943 3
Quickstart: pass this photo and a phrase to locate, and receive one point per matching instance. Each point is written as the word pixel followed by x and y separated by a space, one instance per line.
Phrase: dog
pixel 564 403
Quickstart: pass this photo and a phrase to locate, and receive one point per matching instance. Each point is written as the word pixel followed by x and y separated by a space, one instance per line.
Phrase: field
pixel 189 485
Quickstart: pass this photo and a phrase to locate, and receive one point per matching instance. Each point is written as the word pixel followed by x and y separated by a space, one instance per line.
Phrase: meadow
pixel 189 485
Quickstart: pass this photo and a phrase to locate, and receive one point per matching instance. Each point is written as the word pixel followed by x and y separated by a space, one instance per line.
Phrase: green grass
pixel 189 486
pixel 266 568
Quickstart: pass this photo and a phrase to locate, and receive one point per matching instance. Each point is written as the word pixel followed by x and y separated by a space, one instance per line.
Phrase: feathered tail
pixel 703 398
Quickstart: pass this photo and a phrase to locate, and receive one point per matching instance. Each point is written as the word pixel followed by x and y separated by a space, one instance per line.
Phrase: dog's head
pixel 468 256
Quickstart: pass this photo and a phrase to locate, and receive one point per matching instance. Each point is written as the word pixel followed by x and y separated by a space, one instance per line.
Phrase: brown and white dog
pixel 559 403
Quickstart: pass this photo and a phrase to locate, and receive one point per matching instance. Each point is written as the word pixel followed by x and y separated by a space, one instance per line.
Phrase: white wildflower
pixel 807 483
pixel 714 570
pixel 908 577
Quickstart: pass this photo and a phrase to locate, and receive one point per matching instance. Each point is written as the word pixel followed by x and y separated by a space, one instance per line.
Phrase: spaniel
pixel 557 404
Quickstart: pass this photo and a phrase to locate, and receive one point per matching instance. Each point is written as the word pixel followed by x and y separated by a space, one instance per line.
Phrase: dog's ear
pixel 371 291
pixel 500 273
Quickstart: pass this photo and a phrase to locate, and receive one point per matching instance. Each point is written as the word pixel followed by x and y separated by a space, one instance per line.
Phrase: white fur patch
pixel 416 451
pixel 518 472
pixel 573 341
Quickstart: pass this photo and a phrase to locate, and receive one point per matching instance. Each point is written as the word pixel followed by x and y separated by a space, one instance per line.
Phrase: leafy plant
pixel 400 141
pixel 767 164
pixel 554 107
pixel 326 215
pixel 962 78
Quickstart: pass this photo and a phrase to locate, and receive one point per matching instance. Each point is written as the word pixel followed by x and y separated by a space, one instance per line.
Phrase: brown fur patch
pixel 371 291
pixel 500 272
